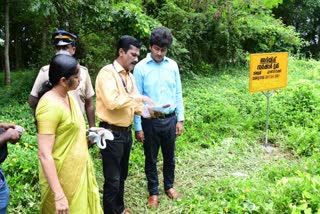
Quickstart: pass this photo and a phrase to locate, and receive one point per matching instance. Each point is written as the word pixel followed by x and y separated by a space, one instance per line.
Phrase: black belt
pixel 114 127
pixel 162 116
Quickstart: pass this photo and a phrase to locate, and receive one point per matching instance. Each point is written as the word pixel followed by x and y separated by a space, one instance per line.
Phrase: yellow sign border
pixel 268 71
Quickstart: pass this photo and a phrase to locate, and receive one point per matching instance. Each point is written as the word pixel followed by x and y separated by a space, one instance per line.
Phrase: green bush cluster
pixel 300 193
pixel 215 111
pixel 218 33
pixel 21 165
pixel 230 195
pixel 18 92
pixel 295 113
pixel 295 105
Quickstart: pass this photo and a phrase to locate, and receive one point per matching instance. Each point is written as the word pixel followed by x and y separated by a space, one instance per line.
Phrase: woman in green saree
pixel 66 175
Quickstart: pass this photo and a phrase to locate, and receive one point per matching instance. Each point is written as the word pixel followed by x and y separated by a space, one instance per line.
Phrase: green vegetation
pixel 222 164
pixel 219 32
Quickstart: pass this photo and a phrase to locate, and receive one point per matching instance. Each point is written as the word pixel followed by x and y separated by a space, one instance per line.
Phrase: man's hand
pixel 151 112
pixel 12 135
pixel 140 136
pixel 6 126
pixel 148 100
pixel 179 128
pixel 157 111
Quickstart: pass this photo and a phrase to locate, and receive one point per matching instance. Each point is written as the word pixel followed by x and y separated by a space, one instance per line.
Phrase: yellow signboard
pixel 268 71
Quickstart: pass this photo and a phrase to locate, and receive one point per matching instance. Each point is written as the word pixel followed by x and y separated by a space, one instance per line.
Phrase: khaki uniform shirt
pixel 83 92
pixel 117 97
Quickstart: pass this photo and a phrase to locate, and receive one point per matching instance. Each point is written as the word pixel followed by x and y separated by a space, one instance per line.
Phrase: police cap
pixel 62 37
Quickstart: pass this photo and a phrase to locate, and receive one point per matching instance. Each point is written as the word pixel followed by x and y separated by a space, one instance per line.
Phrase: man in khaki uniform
pixel 64 43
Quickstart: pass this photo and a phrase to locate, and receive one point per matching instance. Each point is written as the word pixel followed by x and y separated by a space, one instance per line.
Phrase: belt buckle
pixel 161 116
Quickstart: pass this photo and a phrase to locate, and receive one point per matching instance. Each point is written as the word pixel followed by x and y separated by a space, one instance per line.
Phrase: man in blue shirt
pixel 157 77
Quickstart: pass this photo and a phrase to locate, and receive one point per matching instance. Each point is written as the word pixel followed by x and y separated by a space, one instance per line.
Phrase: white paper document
pixel 145 112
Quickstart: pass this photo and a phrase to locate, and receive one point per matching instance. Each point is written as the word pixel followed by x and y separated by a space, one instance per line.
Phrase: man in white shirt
pixel 64 43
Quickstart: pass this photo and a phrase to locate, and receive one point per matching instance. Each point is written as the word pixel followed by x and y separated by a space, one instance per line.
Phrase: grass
pixel 222 149
pixel 221 163
pixel 199 168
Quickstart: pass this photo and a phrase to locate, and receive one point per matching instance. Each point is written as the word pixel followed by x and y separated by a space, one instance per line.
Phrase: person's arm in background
pixel 89 104
pixel 139 134
pixel 33 102
pixel 89 107
pixel 41 78
pixel 179 102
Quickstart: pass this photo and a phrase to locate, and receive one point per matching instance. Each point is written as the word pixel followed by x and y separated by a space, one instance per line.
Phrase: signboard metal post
pixel 268 72
pixel 268 95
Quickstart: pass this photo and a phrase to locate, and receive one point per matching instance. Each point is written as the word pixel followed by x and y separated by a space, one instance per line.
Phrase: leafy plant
pixel 304 191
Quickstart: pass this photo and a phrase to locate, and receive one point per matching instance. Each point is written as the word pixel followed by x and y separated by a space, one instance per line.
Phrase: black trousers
pixel 159 133
pixel 115 161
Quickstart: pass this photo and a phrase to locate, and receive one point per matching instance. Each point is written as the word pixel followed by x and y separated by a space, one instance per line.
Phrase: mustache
pixel 134 62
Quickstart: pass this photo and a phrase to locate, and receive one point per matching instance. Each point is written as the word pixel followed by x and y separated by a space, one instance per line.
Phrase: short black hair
pixel 126 42
pixel 161 37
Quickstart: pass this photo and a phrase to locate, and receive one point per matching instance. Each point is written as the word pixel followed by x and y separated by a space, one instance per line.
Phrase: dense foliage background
pixel 223 165
pixel 218 32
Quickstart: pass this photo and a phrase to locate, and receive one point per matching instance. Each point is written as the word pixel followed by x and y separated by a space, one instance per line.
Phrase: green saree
pixel 72 160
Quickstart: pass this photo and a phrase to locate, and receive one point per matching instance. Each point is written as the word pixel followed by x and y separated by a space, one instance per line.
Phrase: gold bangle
pixel 58 199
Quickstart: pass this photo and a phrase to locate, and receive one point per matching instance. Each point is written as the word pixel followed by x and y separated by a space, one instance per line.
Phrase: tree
pixel 6 45
pixel 305 17
pixel 217 32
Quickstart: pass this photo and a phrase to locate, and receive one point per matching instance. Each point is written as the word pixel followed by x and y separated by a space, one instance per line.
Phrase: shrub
pixel 21 165
pixel 301 193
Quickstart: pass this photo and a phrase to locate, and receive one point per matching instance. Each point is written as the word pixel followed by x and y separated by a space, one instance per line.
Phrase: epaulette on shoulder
pixel 83 68
pixel 45 68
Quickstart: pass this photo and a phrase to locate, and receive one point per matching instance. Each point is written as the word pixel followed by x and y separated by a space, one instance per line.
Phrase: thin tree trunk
pixel 17 53
pixel 6 45
pixel 44 48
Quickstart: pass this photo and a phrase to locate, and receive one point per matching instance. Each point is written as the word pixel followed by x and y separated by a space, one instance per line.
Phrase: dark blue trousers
pixel 115 161
pixel 4 194
pixel 159 133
